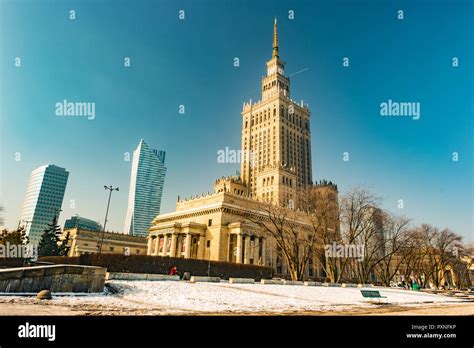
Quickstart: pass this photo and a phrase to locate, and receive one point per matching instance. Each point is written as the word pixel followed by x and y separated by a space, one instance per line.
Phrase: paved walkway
pixel 44 309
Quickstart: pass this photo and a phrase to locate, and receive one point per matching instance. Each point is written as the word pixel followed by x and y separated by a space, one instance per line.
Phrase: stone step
pixel 332 285
pixel 271 281
pixel 365 286
pixel 241 281
pixel 349 285
pixel 292 282
pixel 200 279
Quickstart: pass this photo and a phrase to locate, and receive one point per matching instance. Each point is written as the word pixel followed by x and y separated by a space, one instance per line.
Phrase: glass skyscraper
pixel 146 188
pixel 43 199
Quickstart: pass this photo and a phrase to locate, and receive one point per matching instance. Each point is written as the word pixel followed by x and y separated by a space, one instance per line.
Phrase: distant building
pixel 43 199
pixel 81 222
pixel 146 188
pixel 83 241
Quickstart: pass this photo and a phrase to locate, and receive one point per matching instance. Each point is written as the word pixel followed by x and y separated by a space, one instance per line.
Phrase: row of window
pixel 287 181
pixel 286 113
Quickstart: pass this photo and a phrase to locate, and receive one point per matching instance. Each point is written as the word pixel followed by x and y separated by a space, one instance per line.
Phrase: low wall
pixel 163 264
pixel 196 279
pixel 56 278
pixel 140 276
pixel 11 262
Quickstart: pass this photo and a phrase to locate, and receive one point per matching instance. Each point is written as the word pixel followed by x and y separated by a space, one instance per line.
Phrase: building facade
pixel 83 223
pixel 216 226
pixel 276 148
pixel 146 189
pixel 43 200
pixel 276 138
pixel 83 241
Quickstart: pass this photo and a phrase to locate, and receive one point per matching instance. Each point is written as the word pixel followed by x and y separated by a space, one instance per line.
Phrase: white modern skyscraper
pixel 146 188
pixel 43 199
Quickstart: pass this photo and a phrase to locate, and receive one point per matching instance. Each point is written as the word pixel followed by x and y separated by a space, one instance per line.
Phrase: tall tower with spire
pixel 275 79
pixel 275 40
pixel 276 138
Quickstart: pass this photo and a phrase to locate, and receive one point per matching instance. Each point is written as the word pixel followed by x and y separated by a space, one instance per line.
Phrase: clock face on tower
pixel 280 70
pixel 271 70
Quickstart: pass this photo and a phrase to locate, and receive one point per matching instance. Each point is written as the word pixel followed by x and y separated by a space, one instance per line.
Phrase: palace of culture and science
pixel 276 141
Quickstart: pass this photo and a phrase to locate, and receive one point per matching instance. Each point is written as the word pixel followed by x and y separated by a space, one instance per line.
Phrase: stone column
pixel 247 250
pixel 165 243
pixel 188 246
pixel 264 251
pixel 157 245
pixel 72 252
pixel 173 245
pixel 256 256
pixel 179 245
pixel 239 248
pixel 149 245
pixel 271 258
pixel 202 247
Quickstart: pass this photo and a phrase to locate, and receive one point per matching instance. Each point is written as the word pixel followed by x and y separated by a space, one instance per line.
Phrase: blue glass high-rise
pixel 43 200
pixel 146 188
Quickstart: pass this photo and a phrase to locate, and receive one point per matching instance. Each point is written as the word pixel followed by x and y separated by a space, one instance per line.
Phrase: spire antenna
pixel 275 40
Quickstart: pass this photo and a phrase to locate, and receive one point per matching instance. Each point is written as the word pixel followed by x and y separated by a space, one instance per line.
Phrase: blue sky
pixel 190 62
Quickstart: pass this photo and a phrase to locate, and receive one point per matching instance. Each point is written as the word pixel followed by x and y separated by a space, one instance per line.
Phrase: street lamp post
pixel 56 213
pixel 25 221
pixel 110 188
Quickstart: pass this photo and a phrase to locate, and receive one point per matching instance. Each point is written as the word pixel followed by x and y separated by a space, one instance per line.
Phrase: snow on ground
pixel 162 297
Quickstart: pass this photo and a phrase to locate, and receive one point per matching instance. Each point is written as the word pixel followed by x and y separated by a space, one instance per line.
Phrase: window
pixel 208 243
pixel 209 223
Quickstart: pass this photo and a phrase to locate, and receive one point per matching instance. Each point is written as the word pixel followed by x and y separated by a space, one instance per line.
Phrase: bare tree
pixel 430 254
pixel 301 229
pixel 460 267
pixel 446 245
pixel 415 254
pixel 397 237
pixel 293 242
pixel 320 208
pixel 359 226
